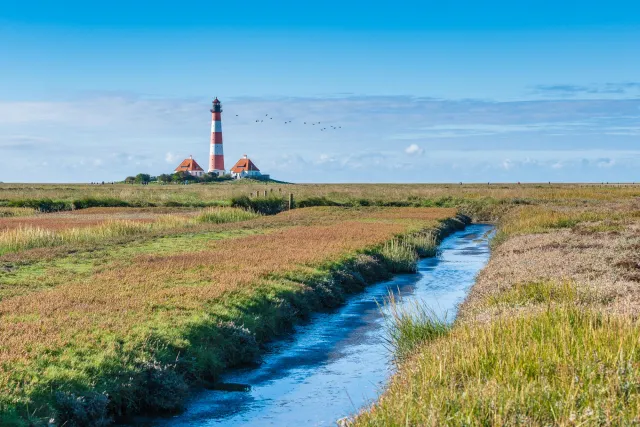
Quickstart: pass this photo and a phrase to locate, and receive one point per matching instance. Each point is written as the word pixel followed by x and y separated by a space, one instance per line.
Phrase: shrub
pixel 106 202
pixel 316 201
pixel 42 205
pixel 82 411
pixel 265 205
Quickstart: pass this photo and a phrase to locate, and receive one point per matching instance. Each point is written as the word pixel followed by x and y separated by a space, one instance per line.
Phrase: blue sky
pixel 422 91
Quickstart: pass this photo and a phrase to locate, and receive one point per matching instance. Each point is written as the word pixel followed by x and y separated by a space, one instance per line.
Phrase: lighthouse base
pixel 218 172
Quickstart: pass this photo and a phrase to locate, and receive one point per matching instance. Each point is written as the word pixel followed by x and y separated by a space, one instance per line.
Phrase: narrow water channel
pixel 338 362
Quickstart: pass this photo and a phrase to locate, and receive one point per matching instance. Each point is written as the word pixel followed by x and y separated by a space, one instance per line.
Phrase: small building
pixel 245 168
pixel 191 167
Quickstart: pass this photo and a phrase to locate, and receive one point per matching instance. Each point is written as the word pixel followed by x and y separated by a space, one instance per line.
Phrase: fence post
pixel 291 204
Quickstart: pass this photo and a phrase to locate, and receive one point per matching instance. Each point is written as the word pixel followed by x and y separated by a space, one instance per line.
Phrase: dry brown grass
pixel 594 249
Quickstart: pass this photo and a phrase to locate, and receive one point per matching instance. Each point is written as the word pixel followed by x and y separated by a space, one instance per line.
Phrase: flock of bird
pixel 322 129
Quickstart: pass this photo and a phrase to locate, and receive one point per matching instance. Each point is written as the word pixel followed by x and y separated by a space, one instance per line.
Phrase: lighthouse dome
pixel 215 101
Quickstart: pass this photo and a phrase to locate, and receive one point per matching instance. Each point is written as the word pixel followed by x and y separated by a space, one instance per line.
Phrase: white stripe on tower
pixel 216 155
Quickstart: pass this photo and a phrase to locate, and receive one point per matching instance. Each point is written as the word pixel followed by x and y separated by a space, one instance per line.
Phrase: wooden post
pixel 291 205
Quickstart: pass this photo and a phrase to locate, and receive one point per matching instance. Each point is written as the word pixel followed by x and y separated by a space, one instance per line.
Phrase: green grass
pixel 400 256
pixel 29 237
pixel 407 327
pixel 541 292
pixel 26 277
pixel 425 244
pixel 224 215
pixel 564 366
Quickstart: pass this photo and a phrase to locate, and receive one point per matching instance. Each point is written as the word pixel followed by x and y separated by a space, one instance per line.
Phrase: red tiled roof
pixel 244 165
pixel 189 165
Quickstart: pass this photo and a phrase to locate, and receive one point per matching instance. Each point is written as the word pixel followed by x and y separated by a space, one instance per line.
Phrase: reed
pixel 424 243
pixel 400 256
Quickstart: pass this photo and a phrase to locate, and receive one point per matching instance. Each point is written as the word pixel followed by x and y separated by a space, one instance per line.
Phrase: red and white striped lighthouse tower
pixel 216 156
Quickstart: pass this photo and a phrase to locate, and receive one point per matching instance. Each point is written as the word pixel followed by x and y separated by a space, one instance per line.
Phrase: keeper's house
pixel 245 168
pixel 191 167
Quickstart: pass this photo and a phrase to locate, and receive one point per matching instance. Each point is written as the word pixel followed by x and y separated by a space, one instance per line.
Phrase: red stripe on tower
pixel 216 155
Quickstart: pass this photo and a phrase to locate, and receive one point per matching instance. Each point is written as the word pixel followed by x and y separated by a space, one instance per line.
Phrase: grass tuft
pixel 410 326
pixel 425 244
pixel 399 256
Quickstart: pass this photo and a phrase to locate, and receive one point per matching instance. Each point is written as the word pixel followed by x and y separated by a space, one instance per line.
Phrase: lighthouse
pixel 216 156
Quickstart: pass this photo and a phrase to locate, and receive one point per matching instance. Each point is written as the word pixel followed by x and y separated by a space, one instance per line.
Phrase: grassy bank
pixel 548 335
pixel 131 331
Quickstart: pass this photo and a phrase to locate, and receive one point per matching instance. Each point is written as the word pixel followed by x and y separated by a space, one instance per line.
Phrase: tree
pixel 164 178
pixel 142 178
pixel 130 179
pixel 182 177
pixel 209 177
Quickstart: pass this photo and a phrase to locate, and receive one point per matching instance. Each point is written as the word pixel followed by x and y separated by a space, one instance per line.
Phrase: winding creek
pixel 338 362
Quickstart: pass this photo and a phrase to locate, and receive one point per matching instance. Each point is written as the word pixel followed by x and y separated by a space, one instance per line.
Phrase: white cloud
pixel 507 164
pixel 170 157
pixel 605 162
pixel 414 149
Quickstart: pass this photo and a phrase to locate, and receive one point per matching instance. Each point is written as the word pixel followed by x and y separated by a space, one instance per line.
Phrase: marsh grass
pixel 540 292
pixel 543 341
pixel 538 219
pixel 408 326
pixel 138 324
pixel 29 237
pixel 224 215
pixel 7 212
pixel 424 243
pixel 564 366
pixel 399 256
